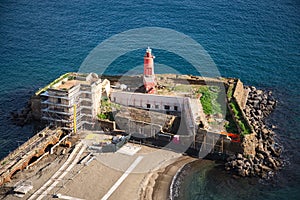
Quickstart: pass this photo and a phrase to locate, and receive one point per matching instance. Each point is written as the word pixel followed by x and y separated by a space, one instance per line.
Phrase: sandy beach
pixel 134 172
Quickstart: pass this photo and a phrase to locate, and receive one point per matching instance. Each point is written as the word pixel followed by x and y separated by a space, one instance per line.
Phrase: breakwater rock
pixel 22 117
pixel 266 158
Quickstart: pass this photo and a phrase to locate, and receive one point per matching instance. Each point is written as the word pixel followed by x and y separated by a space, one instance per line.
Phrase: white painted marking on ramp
pixel 129 149
pixel 122 178
pixel 60 196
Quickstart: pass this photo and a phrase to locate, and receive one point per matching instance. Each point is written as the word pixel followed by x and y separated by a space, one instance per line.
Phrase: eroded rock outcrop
pixel 24 116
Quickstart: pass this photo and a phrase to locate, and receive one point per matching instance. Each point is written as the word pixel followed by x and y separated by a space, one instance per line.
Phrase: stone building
pixel 191 109
pixel 72 101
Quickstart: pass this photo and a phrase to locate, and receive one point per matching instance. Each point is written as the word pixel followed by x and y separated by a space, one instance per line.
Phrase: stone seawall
pixel 265 159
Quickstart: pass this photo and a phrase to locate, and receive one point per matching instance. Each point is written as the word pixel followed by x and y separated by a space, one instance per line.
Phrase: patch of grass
pixel 235 110
pixel 182 88
pixel 209 99
pixel 245 129
pixel 52 83
pixel 241 121
pixel 230 91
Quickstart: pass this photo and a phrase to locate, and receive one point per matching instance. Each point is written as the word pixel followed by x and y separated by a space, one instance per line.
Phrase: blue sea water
pixel 256 41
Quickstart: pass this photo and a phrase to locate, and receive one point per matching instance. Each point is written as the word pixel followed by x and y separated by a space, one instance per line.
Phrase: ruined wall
pixel 240 94
pixel 22 156
pixel 96 89
pixel 249 144
pixel 138 127
pixel 100 124
pixel 36 107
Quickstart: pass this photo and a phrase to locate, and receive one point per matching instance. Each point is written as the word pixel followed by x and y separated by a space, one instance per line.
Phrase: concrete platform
pixel 129 149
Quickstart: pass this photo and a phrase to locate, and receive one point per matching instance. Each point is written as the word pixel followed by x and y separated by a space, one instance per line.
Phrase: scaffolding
pixel 71 108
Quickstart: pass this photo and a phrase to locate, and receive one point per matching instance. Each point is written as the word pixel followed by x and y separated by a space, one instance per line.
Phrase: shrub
pixel 102 116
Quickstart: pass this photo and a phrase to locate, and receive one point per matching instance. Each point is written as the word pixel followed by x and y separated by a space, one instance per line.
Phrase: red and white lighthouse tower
pixel 149 76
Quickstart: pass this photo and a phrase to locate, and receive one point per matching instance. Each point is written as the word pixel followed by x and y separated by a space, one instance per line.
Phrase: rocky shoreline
pixel 23 117
pixel 267 158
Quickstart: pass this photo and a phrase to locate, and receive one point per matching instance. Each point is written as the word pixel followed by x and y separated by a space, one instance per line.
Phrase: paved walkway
pixel 122 178
pixel 59 175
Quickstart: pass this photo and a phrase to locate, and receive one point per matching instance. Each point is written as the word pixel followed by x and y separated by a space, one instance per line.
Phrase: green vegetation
pixel 106 111
pixel 234 108
pixel 230 126
pixel 52 83
pixel 239 117
pixel 102 116
pixel 71 78
pixel 116 106
pixel 209 99
pixel 230 91
pixel 183 88
pixel 106 115
pixel 4 162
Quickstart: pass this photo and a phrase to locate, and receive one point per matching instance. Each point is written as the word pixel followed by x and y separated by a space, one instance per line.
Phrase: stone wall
pixel 135 127
pixel 36 107
pixel 22 156
pixel 249 144
pixel 240 94
pixel 111 125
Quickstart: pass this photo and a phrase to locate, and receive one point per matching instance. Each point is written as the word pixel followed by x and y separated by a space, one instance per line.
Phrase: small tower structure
pixel 149 76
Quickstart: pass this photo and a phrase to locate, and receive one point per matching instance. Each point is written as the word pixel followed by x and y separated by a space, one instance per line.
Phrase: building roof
pixel 69 84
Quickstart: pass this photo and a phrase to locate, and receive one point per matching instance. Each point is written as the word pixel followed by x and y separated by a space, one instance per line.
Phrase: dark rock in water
pixel 259 92
pixel 258 98
pixel 23 117
pixel 272 103
pixel 227 164
pixel 235 176
pixel 233 163
pixel 227 168
pixel 274 152
pixel 265 168
pixel 241 172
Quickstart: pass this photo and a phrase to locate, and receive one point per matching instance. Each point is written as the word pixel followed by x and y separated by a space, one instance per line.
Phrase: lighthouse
pixel 149 76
